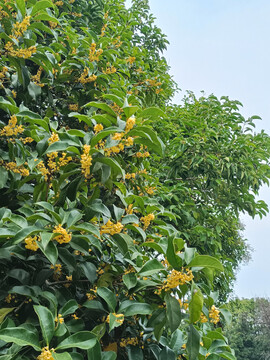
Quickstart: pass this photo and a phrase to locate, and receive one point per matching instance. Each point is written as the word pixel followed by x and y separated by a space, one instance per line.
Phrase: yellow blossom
pixel 73 107
pixel 111 228
pixel 54 137
pixel 59 319
pixel 46 354
pixel 64 236
pixel 147 219
pixel 119 318
pixel 31 242
pixel 98 128
pixel 130 123
pixel 86 161
pixel 129 341
pixel 12 128
pixel 203 318
pixel 176 278
pixel 117 136
pixel 129 141
pixel 214 315
pixel 20 28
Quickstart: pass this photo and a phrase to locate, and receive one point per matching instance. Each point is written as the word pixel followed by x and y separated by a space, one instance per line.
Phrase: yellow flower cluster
pixel 59 319
pixel 54 138
pixel 46 354
pixel 76 14
pixel 142 155
pixel 184 304
pixel 130 60
pixel 214 315
pixel 111 228
pixel 59 3
pixel 31 242
pixel 150 190
pixel 9 298
pixel 93 53
pixel 64 236
pixel 75 317
pixel 44 171
pixel 130 176
pixel 203 318
pixel 129 270
pixel 117 136
pixel 129 209
pixel 21 53
pixel 12 166
pixel 104 27
pixel 109 70
pixel 146 220
pixel 114 149
pixel 3 74
pixel 12 128
pixel 98 128
pixel 57 271
pixel 129 341
pixel 130 123
pixel 129 141
pixel 73 107
pixel 119 318
pixel 20 28
pixel 91 296
pixel 117 42
pixel 153 82
pixel 53 24
pixel 86 161
pixel 36 78
pixel 117 109
pixel 176 278
pixel 26 140
pixel 55 162
pixel 85 78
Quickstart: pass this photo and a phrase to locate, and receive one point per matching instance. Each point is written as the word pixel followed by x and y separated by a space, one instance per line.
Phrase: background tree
pixel 94 263
pixel 248 332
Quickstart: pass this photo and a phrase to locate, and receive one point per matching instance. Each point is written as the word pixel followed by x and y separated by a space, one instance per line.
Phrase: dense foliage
pixel 212 170
pixel 98 260
pixel 248 332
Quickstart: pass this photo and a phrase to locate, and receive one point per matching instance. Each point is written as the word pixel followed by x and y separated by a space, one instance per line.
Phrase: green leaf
pixel 195 306
pixel 90 271
pixel 4 312
pixel 46 321
pixel 3 177
pixel 40 5
pixel 95 352
pixel 82 340
pixel 21 6
pixel 135 353
pixel 151 267
pixel 173 312
pixel 115 167
pixel 137 309
pixel 99 330
pixel 174 260
pixel 109 355
pixel 87 227
pixel 206 261
pixel 227 315
pixel 20 336
pixel 130 280
pixel 69 308
pixel 102 106
pixel 62 356
pixel 152 113
pixel 50 252
pixel 108 296
pixel 193 343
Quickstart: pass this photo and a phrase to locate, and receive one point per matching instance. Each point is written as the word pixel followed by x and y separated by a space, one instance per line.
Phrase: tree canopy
pixel 119 211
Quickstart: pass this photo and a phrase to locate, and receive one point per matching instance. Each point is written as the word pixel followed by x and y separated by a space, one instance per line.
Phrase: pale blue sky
pixel 222 47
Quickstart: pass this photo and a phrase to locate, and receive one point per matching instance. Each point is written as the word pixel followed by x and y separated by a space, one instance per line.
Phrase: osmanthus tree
pixel 212 171
pixel 91 265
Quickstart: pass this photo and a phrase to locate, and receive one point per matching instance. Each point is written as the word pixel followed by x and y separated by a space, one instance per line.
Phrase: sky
pixel 222 47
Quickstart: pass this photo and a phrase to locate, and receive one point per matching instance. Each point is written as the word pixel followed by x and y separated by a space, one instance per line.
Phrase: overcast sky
pixel 222 47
